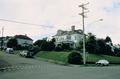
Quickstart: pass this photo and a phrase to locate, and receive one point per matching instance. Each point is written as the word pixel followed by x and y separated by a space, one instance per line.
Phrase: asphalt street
pixel 17 67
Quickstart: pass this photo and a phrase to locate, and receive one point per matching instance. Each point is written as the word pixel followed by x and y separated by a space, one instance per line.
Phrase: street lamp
pixel 84 10
pixel 84 50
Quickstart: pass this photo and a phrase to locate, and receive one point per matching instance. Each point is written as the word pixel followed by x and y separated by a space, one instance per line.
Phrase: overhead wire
pixel 13 21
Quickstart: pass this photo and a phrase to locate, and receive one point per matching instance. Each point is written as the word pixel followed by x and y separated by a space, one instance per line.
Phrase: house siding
pixel 22 42
pixel 70 37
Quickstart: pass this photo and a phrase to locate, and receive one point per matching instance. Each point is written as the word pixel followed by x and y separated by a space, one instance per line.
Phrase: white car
pixel 9 50
pixel 26 53
pixel 102 62
pixel 23 53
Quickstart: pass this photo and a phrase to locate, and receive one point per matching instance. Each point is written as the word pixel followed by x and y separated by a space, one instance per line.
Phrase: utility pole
pixel 2 40
pixel 83 22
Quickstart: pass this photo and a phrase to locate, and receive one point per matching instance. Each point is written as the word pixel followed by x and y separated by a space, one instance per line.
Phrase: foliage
pixel 33 49
pixel 108 39
pixel 58 48
pixel 102 46
pixel 45 45
pixel 65 46
pixel 39 42
pixel 19 47
pixel 91 44
pixel 12 43
pixel 74 58
pixel 117 50
pixel 98 46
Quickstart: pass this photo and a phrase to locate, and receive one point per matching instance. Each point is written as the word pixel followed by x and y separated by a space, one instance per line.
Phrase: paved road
pixel 22 68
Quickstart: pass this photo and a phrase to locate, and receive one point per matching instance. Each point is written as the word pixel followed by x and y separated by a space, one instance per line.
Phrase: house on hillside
pixel 71 37
pixel 23 40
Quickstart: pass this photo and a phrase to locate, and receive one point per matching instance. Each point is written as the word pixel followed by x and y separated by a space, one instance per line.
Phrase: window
pixel 68 37
pixel 75 37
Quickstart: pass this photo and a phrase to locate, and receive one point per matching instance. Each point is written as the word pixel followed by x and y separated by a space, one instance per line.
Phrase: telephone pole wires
pixel 84 10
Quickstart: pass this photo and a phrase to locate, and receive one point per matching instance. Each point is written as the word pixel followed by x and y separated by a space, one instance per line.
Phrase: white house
pixel 23 40
pixel 71 37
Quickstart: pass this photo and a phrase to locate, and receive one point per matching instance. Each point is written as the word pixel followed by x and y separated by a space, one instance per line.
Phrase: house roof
pixel 61 32
pixel 5 38
pixel 23 37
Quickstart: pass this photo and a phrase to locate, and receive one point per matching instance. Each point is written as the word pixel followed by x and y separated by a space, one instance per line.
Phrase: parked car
pixel 26 53
pixel 9 50
pixel 102 62
pixel 23 53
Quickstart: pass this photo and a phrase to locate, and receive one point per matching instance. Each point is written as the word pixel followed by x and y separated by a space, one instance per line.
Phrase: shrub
pixel 34 49
pixel 74 58
pixel 58 48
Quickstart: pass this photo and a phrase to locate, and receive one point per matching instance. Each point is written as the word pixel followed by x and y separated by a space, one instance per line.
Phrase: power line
pixel 13 21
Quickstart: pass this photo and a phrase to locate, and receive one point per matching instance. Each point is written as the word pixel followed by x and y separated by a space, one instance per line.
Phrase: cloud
pixel 60 14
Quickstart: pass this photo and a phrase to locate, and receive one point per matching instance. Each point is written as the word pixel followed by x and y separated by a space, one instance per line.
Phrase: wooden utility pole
pixel 2 38
pixel 83 22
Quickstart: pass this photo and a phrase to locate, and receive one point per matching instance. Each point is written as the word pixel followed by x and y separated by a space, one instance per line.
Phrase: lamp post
pixel 83 22
pixel 84 50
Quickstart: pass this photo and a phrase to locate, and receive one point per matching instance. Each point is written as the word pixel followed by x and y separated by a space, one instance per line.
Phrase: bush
pixel 34 49
pixel 75 58
pixel 58 48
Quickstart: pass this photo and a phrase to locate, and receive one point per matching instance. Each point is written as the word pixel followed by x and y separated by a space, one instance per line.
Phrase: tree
pixel 102 46
pixel 108 39
pixel 12 43
pixel 91 44
pixel 98 46
pixel 65 46
pixel 45 45
pixel 109 46
pixel 39 42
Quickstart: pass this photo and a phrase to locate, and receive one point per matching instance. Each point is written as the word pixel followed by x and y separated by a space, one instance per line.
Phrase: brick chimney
pixel 73 28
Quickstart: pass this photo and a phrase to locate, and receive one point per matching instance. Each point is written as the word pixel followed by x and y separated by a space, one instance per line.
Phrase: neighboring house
pixel 23 40
pixel 71 38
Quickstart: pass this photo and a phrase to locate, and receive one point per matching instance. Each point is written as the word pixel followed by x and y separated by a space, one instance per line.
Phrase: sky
pixel 60 14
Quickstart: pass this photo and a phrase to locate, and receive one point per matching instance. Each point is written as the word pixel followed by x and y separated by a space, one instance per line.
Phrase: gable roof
pixel 23 37
pixel 61 32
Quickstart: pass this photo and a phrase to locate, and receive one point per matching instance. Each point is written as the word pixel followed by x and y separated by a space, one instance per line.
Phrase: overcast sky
pixel 60 14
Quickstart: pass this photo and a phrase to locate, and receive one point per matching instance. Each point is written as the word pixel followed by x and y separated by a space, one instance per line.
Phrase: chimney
pixel 73 28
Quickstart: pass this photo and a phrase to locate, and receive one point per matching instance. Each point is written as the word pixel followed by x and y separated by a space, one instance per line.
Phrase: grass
pixel 58 57
pixel 61 57
pixel 93 58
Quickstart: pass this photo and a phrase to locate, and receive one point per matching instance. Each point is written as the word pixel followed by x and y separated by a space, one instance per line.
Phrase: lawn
pixel 93 58
pixel 62 57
